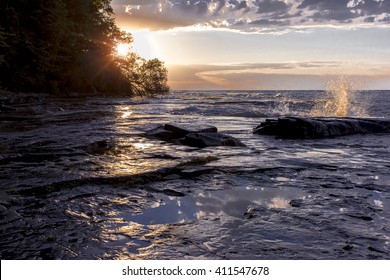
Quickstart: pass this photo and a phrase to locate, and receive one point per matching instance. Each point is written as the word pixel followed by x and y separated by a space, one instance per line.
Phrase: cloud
pixel 291 75
pixel 250 15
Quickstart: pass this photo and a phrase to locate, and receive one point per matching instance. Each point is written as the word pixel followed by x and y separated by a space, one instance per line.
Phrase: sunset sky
pixel 262 44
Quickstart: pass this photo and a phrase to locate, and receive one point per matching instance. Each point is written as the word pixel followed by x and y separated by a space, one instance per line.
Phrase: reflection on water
pixel 232 202
pixel 61 196
pixel 126 112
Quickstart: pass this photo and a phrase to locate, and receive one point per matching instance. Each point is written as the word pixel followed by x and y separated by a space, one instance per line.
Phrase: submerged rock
pixel 310 128
pixel 193 136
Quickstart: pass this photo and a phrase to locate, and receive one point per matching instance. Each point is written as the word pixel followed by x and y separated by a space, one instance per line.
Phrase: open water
pixel 78 180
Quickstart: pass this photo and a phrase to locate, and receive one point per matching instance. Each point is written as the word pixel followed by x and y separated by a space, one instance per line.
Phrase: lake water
pixel 78 180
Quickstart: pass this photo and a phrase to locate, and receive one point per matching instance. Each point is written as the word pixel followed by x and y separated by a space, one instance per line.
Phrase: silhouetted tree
pixel 69 45
pixel 147 77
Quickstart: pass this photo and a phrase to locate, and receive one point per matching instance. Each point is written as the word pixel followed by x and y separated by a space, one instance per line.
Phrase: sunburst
pixel 122 49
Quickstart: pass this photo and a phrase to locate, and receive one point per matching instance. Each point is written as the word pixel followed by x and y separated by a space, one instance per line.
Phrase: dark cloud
pixel 250 14
pixel 241 5
pixel 347 10
pixel 268 22
pixel 324 4
pixel 339 16
pixel 198 8
pixel 271 6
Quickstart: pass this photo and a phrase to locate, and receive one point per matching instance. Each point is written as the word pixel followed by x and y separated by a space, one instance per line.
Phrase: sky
pixel 262 44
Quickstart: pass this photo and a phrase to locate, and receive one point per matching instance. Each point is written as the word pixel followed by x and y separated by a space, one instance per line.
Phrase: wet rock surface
pixel 193 136
pixel 84 183
pixel 310 128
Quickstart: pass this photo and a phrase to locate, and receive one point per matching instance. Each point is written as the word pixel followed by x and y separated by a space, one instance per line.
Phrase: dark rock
pixel 180 131
pixel 310 128
pixel 160 133
pixel 173 193
pixel 296 202
pixel 196 171
pixel 193 136
pixel 202 140
pixel 348 247
pixel 252 211
pixel 375 250
pixel 172 132
pixel 361 217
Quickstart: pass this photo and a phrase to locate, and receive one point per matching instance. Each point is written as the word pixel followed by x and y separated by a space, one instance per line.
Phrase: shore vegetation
pixel 70 46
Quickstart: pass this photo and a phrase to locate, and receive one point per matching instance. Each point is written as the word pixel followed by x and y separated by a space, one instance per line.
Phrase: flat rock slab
pixel 311 128
pixel 193 135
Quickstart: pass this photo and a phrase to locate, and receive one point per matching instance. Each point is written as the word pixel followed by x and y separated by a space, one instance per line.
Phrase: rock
pixel 160 133
pixel 173 193
pixel 296 202
pixel 180 131
pixel 253 211
pixel 250 213
pixel 310 128
pixel 202 140
pixel 193 136
pixel 196 171
pixel 348 247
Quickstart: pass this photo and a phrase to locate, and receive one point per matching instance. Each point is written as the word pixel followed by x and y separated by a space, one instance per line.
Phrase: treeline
pixel 63 46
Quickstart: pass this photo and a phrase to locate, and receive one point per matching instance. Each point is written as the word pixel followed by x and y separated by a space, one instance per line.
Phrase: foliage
pixel 147 77
pixel 69 45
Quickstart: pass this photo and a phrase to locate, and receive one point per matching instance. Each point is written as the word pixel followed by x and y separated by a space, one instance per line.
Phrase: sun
pixel 122 49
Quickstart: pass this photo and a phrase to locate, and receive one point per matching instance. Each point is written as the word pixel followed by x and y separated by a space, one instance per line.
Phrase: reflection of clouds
pixel 378 203
pixel 214 204
pixel 235 202
pixel 200 215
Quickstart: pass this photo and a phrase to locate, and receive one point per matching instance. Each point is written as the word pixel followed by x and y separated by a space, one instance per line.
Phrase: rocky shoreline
pixel 283 128
pixel 312 128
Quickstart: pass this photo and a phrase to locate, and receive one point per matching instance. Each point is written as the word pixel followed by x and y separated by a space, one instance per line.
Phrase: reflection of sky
pixel 231 202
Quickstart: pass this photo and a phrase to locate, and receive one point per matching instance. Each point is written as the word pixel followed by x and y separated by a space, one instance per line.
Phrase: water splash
pixel 341 100
pixel 281 107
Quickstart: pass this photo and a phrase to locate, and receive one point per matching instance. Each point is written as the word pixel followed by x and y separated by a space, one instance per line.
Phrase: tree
pixel 3 44
pixel 69 45
pixel 147 77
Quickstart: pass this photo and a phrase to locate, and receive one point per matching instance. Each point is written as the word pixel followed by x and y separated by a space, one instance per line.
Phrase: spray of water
pixel 340 100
